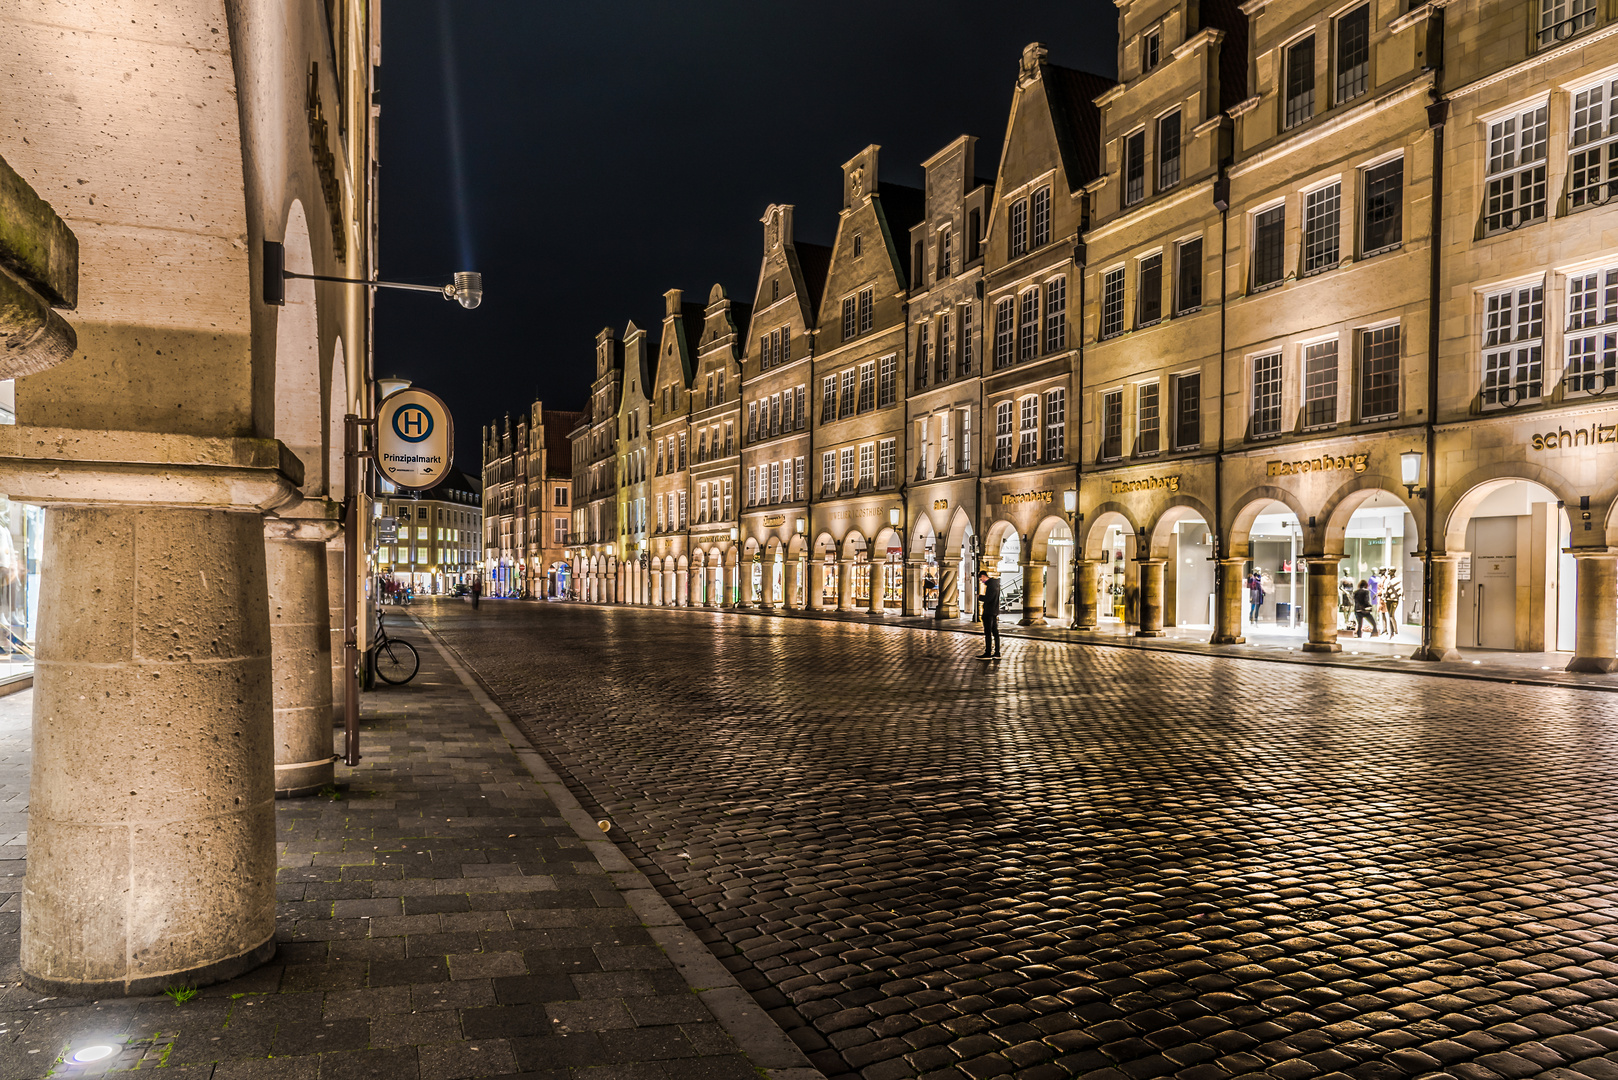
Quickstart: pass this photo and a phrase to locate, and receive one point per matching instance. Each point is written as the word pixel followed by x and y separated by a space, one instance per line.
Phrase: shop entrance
pixel 1113 592
pixel 1059 574
pixel 1517 590
pixel 1276 555
pixel 1011 583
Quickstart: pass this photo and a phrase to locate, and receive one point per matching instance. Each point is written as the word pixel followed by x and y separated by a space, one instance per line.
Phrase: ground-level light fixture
pixel 466 287
pixel 85 1055
pixel 1410 471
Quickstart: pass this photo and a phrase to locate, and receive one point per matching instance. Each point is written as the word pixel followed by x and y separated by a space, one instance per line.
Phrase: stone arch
pixel 796 546
pixel 750 548
pixel 1342 503
pixel 1464 496
pixel 995 538
pixel 1180 508
pixel 922 537
pixel 824 544
pixel 772 545
pixel 1040 539
pixel 853 543
pixel 886 538
pixel 1100 520
pixel 960 527
pixel 682 563
pixel 298 399
pixel 1253 503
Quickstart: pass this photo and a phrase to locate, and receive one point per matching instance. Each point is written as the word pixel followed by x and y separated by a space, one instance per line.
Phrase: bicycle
pixel 393 660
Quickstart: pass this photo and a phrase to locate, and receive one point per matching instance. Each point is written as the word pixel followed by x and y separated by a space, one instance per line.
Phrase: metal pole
pixel 351 563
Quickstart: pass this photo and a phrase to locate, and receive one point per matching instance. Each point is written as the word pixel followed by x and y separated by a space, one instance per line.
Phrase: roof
pixel 815 262
pixel 558 452
pixel 904 207
pixel 1077 120
pixel 741 316
pixel 454 481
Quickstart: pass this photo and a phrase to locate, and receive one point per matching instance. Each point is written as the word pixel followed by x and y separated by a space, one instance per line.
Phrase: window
pixel 946 347
pixel 752 421
pixel 849 323
pixel 1112 302
pixel 1592 331
pixel 1004 333
pixel 846 406
pixel 1561 19
pixel 886 459
pixel 1379 373
pixel 708 399
pixel 828 399
pixel 775 290
pixel 1353 54
pixel 1267 395
pixel 1168 151
pixel 944 254
pixel 797 468
pixel 1514 194
pixel 660 457
pixel 1017 228
pixel 702 503
pixel 702 445
pixel 1151 51
pixel 1056 315
pixel 1134 168
pixel 845 468
pixel 867 466
pixel 682 450
pixel 1384 206
pixel 561 496
pixel 867 387
pixel 683 519
pixel 886 380
pixel 1592 169
pixel 1150 290
pixel 974 235
pixel 858 246
pixel 966 353
pixel 775 414
pixel 1269 239
pixel 1513 345
pixel 1187 411
pixel 1028 431
pixel 1112 425
pixel 752 485
pixel 1003 421
pixel 1320 384
pixel 1028 325
pixel 1188 276
pixel 719 391
pixel 1055 425
pixel 828 462
pixel 730 433
pixel 866 300
pixel 1041 224
pixel 559 531
pixel 662 522
pixel 965 441
pixel 1321 209
pixel 1300 104
pixel 1148 418
pixel 918 266
pixel 775 481
pixel 728 514
pixel 923 361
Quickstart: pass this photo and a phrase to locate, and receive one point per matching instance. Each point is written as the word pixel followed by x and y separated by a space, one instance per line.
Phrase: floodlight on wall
pixel 467 287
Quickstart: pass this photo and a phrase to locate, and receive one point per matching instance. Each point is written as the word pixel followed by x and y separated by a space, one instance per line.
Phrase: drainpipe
pixel 904 477
pixel 1437 115
pixel 1222 204
pixel 1081 258
pixel 983 424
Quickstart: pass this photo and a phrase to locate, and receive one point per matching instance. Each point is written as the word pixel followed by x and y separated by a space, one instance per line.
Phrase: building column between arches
pixel 1228 603
pixel 949 605
pixel 765 597
pixel 1087 597
pixel 151 817
pixel 657 588
pixel 1442 615
pixel 1033 594
pixel 1322 601
pixel 682 585
pixel 877 603
pixel 1151 598
pixel 1596 619
pixel 845 586
pixel 300 644
pixel 816 600
pixel 793 599
pixel 913 602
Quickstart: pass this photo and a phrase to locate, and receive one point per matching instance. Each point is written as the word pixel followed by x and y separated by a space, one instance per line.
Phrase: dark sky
pixel 623 149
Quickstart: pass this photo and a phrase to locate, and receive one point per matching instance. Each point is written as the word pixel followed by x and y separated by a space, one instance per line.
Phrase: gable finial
pixel 1033 54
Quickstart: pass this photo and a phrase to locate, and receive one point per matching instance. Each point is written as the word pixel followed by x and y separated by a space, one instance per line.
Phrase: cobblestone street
pixel 1094 862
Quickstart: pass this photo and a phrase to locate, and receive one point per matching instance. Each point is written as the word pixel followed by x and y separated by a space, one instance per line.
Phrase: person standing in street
pixel 989 606
pixel 477 591
pixel 1255 595
pixel 1364 609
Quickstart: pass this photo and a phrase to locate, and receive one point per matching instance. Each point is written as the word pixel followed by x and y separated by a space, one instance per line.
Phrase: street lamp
pixel 467 286
pixel 894 516
pixel 1410 472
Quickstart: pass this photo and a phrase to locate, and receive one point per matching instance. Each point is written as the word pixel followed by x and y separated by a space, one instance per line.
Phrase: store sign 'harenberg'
pixel 414 439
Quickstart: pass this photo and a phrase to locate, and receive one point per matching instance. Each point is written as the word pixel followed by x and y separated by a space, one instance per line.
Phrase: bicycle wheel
pixel 396 662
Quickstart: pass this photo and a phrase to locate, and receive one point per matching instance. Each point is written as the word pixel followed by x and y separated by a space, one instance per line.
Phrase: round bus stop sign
pixel 415 439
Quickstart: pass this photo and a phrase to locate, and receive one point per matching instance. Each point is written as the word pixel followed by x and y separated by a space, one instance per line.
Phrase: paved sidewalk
pixel 1534 669
pixel 454 914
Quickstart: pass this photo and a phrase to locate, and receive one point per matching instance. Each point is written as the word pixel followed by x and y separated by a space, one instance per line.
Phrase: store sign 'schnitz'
pixel 414 439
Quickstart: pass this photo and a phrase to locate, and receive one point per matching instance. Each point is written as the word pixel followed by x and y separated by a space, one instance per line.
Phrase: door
pixel 1494 583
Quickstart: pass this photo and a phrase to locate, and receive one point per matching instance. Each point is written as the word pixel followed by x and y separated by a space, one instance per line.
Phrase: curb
pixel 749 1026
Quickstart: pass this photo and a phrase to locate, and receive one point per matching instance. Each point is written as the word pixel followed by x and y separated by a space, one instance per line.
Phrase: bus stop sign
pixel 415 439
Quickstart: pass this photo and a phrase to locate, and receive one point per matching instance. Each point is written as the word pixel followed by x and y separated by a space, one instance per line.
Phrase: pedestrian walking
pixel 1364 609
pixel 989 605
pixel 1392 593
pixel 1345 602
pixel 477 592
pixel 1255 595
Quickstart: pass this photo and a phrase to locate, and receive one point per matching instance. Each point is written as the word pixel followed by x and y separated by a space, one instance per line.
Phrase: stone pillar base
pixel 1321 646
pixel 217 972
pixel 1595 665
pixel 1151 633
pixel 1435 654
pixel 1227 639
pixel 300 779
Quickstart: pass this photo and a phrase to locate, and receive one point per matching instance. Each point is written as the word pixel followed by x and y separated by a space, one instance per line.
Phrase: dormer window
pixel 1151 51
pixel 858 246
pixel 775 289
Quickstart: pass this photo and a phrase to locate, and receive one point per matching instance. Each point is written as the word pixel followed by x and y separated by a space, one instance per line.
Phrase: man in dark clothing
pixel 477 591
pixel 1363 609
pixel 989 606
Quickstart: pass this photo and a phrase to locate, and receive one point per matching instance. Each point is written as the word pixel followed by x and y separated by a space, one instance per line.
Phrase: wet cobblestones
pixel 1095 862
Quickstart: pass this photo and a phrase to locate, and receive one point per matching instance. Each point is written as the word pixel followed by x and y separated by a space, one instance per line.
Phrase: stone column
pixel 877 602
pixel 151 819
pixel 766 584
pixel 1087 598
pixel 657 588
pixel 682 584
pixel 1442 613
pixel 1322 601
pixel 1228 603
pixel 845 586
pixel 1033 594
pixel 949 604
pixel 815 601
pixel 1596 623
pixel 1151 598
pixel 300 651
pixel 794 588
pixel 912 602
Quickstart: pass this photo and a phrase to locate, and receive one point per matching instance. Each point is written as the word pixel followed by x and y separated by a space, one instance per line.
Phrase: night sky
pixel 629 148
